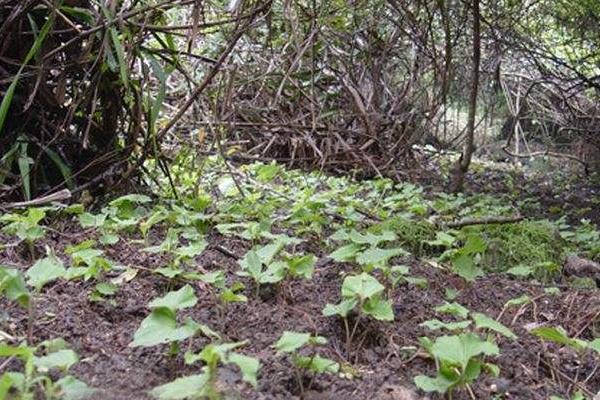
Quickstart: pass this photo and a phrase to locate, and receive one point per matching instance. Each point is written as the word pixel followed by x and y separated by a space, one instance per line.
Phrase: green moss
pixel 526 243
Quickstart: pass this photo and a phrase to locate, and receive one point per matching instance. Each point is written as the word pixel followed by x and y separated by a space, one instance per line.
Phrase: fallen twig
pixel 485 221
pixel 64 194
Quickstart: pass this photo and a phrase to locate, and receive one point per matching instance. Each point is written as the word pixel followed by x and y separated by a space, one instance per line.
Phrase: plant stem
pixel 31 319
pixel 347 335
pixel 354 329
pixel 299 379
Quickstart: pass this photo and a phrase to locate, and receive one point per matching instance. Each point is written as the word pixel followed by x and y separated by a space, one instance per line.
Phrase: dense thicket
pixel 91 89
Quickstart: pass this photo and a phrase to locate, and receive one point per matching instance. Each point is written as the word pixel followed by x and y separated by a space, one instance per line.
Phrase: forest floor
pixel 150 246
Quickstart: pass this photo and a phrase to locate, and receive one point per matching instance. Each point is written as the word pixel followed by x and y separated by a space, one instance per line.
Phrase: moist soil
pixel 384 358
pixel 381 364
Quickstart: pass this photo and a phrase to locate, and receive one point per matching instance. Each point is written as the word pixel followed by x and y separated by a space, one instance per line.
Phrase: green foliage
pixel 559 336
pixel 45 270
pixel 460 360
pixel 362 292
pixel 25 225
pixel 87 262
pixel 38 362
pixel 260 264
pixel 364 248
pixel 205 385
pixel 161 325
pixel 292 343
pixel 465 260
pixel 12 285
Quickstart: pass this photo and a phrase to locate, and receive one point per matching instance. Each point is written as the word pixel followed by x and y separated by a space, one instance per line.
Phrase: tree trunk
pixel 462 165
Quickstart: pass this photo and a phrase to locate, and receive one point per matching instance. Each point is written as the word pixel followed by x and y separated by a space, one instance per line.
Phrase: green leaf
pixel 227 186
pixel 61 165
pixel 248 366
pixel 6 382
pixel 559 336
pixel 519 301
pixel 317 364
pixel 439 384
pixel 127 201
pixel 417 281
pixel 13 286
pixel 342 309
pixel 552 291
pixel 291 341
pixel 370 238
pixel 252 264
pixel 177 300
pixel 267 253
pixel 192 250
pixel 123 68
pixel 345 253
pixel 595 345
pixel 182 388
pixel 442 239
pixel 453 309
pixel 492 369
pixel 161 327
pixel 74 389
pixel 464 266
pixel 266 173
pixel 108 239
pixel 302 266
pixel 362 286
pixel 62 359
pixel 274 273
pixel 87 220
pixel 482 321
pixel 521 271
pixel 106 288
pixel 44 271
pixel 377 256
pixel 229 296
pixel 379 309
pixel 475 244
pixel 460 349
pixel 436 324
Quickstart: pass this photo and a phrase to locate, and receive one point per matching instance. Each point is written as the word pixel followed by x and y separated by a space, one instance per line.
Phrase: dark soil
pixel 384 360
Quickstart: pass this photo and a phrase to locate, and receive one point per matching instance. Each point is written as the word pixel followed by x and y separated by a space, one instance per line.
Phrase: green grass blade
pixel 64 168
pixel 25 170
pixel 7 99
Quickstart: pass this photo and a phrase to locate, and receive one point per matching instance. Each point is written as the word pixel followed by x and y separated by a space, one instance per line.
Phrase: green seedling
pixel 260 264
pixel 364 248
pixel 44 271
pixel 292 343
pixel 363 294
pixel 26 226
pixel 465 259
pixel 161 325
pixel 205 385
pixel 481 321
pixel 225 294
pixel 251 230
pixel 87 262
pixel 35 377
pixel 559 336
pixel 126 212
pixel 103 292
pixel 459 359
pixel 12 285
